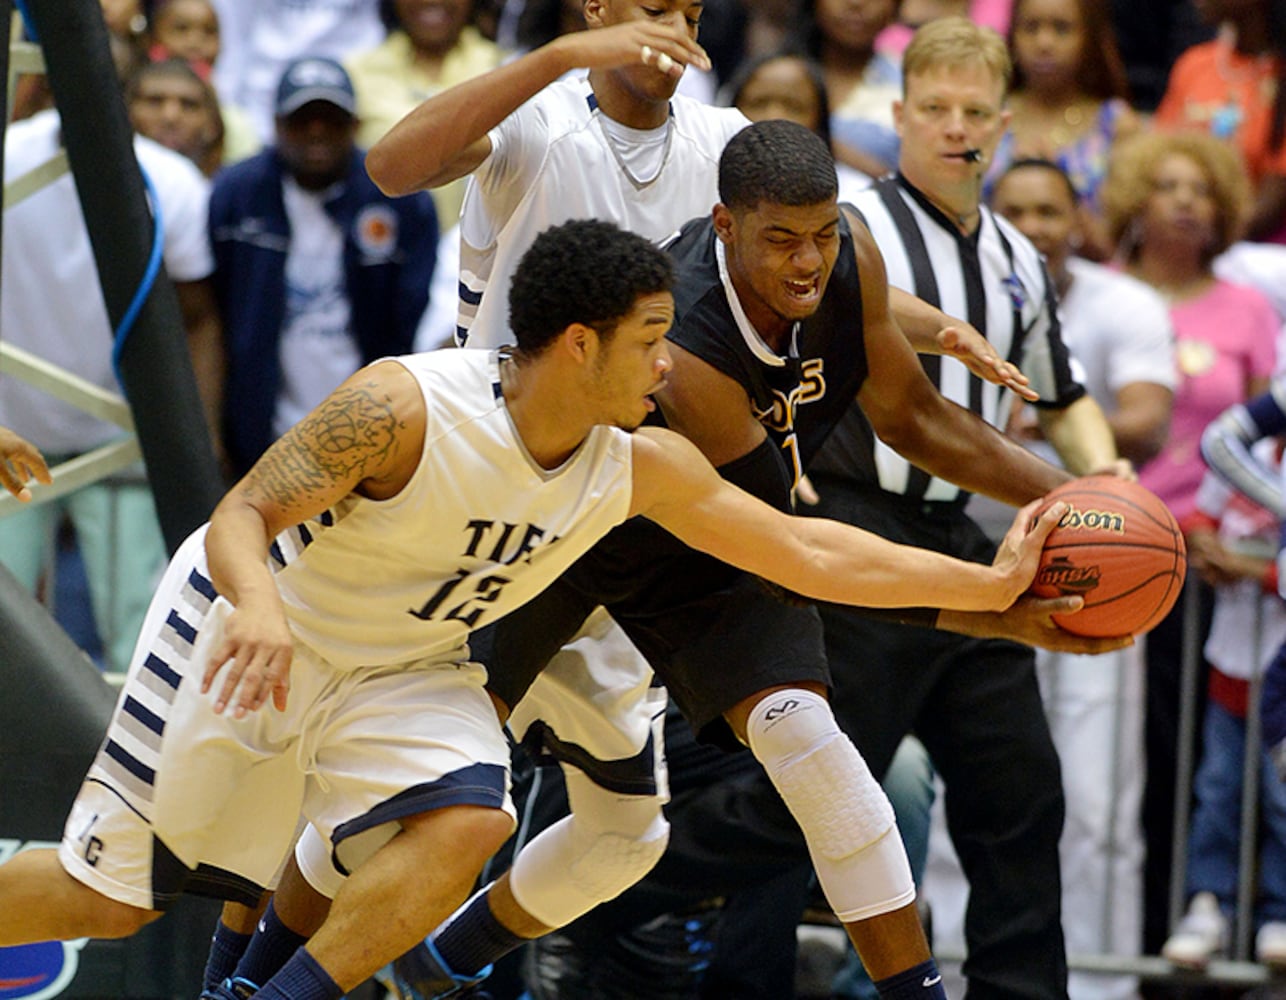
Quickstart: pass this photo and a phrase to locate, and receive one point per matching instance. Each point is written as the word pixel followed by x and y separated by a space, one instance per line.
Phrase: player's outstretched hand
pixel 975 352
pixel 255 655
pixel 1019 554
pixel 20 463
pixel 1030 620
pixel 664 47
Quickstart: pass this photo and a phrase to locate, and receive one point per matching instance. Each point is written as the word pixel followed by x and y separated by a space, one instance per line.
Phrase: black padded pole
pixel 54 711
pixel 155 366
pixel 6 19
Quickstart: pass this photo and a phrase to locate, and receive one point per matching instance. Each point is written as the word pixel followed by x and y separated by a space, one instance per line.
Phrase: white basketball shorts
pixel 181 799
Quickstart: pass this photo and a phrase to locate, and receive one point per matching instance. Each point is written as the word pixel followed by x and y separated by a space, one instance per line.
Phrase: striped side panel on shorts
pixel 131 751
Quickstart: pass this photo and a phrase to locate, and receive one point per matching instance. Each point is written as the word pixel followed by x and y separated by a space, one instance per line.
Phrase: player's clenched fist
pixel 664 47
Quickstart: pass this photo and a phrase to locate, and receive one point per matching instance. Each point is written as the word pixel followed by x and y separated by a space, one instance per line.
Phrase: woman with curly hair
pixel 1173 202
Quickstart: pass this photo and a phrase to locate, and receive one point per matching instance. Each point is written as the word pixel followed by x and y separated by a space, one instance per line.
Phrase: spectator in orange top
pixel 1232 88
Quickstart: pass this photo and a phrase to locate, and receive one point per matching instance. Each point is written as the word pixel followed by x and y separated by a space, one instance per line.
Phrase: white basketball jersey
pixel 479 529
pixel 551 162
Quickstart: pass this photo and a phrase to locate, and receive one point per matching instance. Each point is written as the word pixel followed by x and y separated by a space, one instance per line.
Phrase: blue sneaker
pixel 421 974
pixel 231 989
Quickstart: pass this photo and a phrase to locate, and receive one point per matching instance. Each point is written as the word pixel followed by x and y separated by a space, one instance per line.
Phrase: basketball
pixel 1120 548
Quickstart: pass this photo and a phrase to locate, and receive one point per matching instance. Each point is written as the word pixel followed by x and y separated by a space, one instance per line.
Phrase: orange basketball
pixel 1120 548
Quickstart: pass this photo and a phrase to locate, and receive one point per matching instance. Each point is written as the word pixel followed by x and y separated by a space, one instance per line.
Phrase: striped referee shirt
pixel 995 279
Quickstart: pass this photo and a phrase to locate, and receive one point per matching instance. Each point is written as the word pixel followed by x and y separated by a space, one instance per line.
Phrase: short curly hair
pixel 584 271
pixel 1132 167
pixel 779 162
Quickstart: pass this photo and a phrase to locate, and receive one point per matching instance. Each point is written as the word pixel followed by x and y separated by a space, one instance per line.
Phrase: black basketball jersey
pixel 639 567
pixel 799 397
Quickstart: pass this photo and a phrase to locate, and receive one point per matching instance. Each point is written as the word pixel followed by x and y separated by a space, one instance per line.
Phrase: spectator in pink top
pixel 992 14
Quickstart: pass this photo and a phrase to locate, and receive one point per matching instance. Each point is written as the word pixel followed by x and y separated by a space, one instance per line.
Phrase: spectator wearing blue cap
pixel 316 271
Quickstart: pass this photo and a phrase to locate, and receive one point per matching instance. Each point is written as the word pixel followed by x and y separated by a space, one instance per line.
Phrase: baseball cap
pixel 315 79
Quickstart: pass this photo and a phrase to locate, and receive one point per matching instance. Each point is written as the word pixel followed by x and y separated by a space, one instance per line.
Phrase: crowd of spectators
pixel 295 269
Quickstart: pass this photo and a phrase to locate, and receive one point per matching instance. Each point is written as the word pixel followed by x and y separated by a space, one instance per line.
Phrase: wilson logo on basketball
pixel 1068 578
pixel 1102 520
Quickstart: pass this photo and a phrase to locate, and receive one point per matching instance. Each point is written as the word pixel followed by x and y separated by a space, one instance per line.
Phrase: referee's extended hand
pixel 975 352
pixel 256 652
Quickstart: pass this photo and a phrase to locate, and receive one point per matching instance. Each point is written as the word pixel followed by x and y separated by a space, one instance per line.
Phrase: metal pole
pixel 1251 768
pixel 1121 754
pixel 6 84
pixel 1190 660
pixel 155 366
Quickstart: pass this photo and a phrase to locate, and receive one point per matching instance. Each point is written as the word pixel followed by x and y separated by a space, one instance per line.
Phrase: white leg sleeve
pixel 608 843
pixel 845 816
pixel 312 854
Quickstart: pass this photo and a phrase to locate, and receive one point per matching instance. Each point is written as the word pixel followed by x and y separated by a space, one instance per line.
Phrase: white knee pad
pixel 608 843
pixel 844 814
pixel 312 855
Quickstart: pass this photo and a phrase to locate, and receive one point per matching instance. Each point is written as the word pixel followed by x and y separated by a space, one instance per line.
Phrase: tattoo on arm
pixel 347 438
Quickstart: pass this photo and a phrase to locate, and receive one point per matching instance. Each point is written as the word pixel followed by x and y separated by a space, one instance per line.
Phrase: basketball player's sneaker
pixel 421 974
pixel 1201 935
pixel 231 989
pixel 1270 945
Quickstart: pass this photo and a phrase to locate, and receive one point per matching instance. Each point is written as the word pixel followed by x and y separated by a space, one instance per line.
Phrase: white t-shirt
pixel 259 37
pixel 1118 330
pixel 1262 266
pixel 50 301
pixel 552 161
pixel 316 350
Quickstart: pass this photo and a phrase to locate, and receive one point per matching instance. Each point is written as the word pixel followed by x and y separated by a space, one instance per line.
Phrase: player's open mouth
pixel 803 291
pixel 648 400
